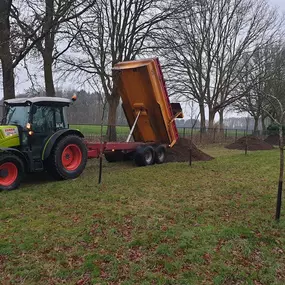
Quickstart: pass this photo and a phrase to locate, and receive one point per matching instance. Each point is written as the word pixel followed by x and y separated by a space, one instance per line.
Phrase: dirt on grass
pixel 253 143
pixel 180 152
pixel 272 139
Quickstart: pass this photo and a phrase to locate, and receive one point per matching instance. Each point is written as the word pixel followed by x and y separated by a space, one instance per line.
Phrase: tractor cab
pixel 35 136
pixel 28 122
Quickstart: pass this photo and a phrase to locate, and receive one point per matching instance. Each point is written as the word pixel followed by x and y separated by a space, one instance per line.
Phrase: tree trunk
pixel 49 85
pixel 221 123
pixel 5 52
pixel 113 102
pixel 255 129
pixel 263 125
pixel 281 174
pixel 8 74
pixel 202 118
pixel 211 119
pixel 47 51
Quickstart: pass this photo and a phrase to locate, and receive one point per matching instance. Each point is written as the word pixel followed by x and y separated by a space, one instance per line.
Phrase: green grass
pixel 212 223
pixel 226 133
pixel 96 130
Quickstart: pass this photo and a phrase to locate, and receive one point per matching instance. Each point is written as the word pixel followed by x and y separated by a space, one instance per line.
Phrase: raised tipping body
pixel 141 86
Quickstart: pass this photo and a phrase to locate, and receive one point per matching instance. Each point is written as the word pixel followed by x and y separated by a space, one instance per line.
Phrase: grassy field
pixel 212 223
pixel 96 130
pixel 123 130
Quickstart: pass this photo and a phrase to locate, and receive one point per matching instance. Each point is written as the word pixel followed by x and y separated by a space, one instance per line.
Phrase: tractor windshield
pixel 17 115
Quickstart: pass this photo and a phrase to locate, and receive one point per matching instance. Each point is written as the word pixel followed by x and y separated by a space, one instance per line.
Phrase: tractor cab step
pixel 38 165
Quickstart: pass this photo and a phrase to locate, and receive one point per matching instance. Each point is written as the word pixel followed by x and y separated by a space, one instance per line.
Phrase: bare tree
pixel 266 78
pixel 274 107
pixel 114 31
pixel 30 31
pixel 205 45
pixel 276 83
pixel 254 84
pixel 45 25
pixel 279 118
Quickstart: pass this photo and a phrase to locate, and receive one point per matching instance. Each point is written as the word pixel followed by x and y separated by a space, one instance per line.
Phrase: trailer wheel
pixel 68 158
pixel 160 154
pixel 144 156
pixel 11 171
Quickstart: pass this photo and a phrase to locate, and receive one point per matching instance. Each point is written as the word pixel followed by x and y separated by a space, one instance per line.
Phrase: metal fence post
pixel 236 135
pixel 184 132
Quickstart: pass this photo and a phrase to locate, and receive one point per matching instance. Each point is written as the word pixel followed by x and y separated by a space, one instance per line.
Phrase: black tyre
pixel 160 154
pixel 68 158
pixel 12 171
pixel 144 156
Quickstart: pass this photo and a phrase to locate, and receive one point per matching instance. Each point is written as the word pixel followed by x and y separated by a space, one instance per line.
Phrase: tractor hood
pixel 9 136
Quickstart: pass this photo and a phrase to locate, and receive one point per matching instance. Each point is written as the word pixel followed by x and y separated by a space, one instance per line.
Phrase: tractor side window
pixel 59 120
pixel 17 115
pixel 47 119
pixel 43 119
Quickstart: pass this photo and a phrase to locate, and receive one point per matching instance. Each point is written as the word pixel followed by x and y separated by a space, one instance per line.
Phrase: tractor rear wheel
pixel 11 171
pixel 68 158
pixel 144 156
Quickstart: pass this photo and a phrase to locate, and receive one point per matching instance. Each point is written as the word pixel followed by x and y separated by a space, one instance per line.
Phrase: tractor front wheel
pixel 68 158
pixel 11 171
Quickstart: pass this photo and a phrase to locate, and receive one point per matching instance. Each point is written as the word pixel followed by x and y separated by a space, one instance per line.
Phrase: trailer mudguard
pixel 53 139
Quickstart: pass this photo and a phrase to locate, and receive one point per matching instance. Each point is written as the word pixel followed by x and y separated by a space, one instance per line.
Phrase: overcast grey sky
pixel 279 3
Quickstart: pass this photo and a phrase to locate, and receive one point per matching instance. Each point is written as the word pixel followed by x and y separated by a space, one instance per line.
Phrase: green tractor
pixel 35 137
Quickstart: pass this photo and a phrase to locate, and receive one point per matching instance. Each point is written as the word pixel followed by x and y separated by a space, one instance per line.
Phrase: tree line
pixel 221 54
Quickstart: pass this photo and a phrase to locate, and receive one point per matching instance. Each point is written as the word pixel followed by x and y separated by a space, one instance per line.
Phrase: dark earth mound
pixel 180 152
pixel 272 139
pixel 253 143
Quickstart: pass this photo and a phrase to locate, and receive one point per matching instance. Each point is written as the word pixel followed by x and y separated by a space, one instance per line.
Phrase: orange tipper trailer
pixel 150 115
pixel 145 98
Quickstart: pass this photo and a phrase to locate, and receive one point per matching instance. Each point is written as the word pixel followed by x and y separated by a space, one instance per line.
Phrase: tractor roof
pixel 38 100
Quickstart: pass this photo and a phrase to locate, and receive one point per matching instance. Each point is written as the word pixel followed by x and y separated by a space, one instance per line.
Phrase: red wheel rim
pixel 71 157
pixel 11 173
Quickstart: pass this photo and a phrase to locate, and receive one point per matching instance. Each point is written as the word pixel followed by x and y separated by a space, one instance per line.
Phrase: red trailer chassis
pixel 94 149
pixel 143 154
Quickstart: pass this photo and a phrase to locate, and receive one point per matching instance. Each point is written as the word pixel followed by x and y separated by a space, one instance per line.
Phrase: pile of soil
pixel 253 143
pixel 180 152
pixel 272 139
